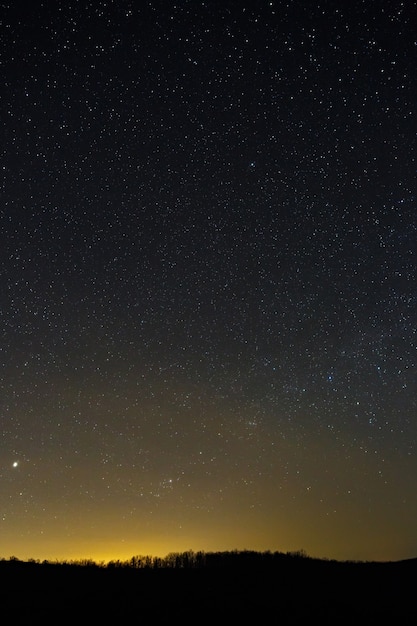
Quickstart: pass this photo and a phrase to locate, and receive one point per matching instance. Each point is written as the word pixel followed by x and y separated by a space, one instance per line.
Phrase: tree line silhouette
pixel 188 559
pixel 196 586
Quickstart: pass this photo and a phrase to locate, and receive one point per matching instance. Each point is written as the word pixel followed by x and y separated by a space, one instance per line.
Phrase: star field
pixel 208 269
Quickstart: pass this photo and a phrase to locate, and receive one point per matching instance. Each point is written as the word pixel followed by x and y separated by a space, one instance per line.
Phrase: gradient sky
pixel 208 278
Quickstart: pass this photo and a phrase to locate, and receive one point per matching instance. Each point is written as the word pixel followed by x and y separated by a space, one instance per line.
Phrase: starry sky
pixel 208 263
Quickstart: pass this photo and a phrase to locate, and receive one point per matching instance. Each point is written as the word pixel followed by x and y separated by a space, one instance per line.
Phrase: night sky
pixel 208 302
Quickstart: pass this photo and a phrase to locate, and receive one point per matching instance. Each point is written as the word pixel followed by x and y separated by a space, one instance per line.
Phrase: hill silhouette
pixel 237 586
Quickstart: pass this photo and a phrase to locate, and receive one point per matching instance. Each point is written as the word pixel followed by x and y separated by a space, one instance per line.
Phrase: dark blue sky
pixel 208 303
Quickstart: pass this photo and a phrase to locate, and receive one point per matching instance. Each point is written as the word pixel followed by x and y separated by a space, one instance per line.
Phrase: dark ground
pixel 296 591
